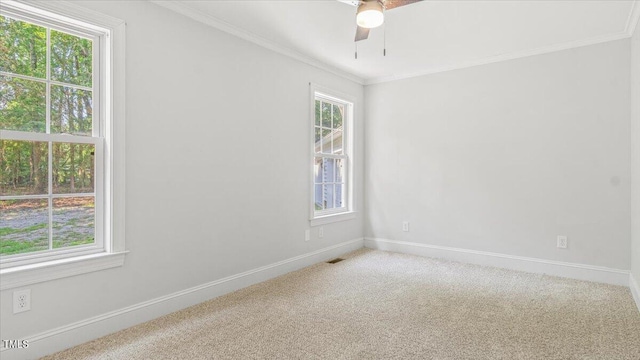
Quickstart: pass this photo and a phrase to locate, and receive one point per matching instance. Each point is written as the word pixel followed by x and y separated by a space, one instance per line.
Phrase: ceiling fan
pixel 370 13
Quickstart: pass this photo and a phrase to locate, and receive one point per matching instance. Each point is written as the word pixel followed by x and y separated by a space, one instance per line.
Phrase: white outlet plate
pixel 562 242
pixel 307 235
pixel 21 301
pixel 321 232
pixel 405 226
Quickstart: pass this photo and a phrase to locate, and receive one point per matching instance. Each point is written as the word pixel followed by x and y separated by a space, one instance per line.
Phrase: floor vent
pixel 336 260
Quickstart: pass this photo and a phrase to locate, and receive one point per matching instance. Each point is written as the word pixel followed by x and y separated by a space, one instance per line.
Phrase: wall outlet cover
pixel 562 242
pixel 21 301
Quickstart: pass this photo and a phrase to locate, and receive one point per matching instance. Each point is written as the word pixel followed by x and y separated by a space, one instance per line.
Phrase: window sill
pixel 36 273
pixel 328 219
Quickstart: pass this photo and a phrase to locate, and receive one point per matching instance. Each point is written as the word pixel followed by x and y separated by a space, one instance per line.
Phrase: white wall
pixel 635 165
pixel 217 172
pixel 504 157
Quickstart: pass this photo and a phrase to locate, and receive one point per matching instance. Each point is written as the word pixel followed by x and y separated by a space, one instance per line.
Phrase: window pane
pixel 326 115
pixel 23 167
pixel 330 171
pixel 23 48
pixel 323 171
pixel 339 195
pixel 318 197
pixel 338 110
pixel 339 170
pixel 22 105
pixel 327 196
pixel 71 59
pixel 326 141
pixel 317 112
pixel 317 170
pixel 318 137
pixel 24 226
pixel 73 168
pixel 337 142
pixel 73 221
pixel 71 111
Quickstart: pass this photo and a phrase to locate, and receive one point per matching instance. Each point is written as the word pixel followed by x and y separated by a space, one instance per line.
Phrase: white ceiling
pixel 425 37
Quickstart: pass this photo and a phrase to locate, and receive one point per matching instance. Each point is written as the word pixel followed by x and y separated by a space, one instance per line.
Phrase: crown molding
pixel 186 10
pixel 222 25
pixel 502 57
pixel 634 17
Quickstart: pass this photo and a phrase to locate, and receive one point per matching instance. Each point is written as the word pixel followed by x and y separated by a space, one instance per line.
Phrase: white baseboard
pixel 79 332
pixel 635 290
pixel 533 265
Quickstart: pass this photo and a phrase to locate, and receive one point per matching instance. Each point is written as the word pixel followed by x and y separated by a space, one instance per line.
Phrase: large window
pixel 56 130
pixel 332 131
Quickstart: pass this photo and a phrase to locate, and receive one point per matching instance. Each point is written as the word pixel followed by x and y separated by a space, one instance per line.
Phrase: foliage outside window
pixel 51 139
pixel 331 155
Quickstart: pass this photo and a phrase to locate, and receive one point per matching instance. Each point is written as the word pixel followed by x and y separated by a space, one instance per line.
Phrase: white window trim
pixel 350 212
pixel 113 100
pixel 328 219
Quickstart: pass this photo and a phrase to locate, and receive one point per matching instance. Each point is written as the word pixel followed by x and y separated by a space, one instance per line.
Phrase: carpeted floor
pixel 380 305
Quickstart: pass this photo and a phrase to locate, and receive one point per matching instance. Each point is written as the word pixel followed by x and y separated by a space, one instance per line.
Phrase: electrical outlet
pixel 21 301
pixel 562 242
pixel 405 226
pixel 321 232
pixel 307 235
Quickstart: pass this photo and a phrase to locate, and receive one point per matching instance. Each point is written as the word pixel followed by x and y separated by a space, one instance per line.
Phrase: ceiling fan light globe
pixel 369 14
pixel 370 18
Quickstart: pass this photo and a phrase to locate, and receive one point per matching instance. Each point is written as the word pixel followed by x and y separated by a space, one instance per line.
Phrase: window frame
pixel 347 212
pixel 108 86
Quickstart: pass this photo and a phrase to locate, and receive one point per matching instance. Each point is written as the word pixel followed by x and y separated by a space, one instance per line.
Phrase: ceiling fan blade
pixel 392 4
pixel 350 2
pixel 361 33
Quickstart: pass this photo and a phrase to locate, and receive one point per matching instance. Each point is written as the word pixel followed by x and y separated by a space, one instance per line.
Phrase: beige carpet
pixel 380 305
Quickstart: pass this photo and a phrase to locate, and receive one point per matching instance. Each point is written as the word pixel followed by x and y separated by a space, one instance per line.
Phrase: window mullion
pixel 42 137
pixel 52 82
pixel 96 96
pixel 48 79
pixel 330 156
pixel 331 131
pixel 49 143
pixel 321 128
pixel 50 192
